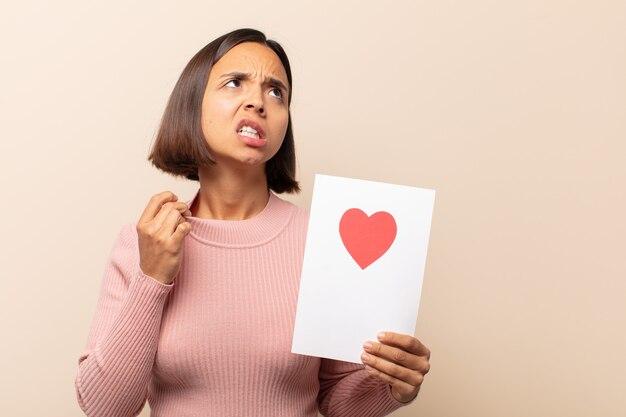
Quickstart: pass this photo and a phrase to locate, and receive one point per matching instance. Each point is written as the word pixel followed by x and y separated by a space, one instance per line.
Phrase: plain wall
pixel 514 111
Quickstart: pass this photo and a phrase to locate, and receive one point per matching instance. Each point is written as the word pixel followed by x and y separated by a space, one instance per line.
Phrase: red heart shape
pixel 367 238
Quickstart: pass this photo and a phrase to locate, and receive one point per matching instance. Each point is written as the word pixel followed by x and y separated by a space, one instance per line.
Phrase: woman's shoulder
pixel 299 216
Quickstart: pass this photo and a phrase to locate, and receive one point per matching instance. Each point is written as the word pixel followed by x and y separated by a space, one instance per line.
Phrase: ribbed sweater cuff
pixel 382 401
pixel 138 322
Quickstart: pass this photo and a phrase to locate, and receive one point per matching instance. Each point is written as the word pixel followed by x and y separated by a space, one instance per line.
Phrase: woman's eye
pixel 278 92
pixel 236 83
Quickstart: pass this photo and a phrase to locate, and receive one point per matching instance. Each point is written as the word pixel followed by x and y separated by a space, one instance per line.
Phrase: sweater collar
pixel 254 231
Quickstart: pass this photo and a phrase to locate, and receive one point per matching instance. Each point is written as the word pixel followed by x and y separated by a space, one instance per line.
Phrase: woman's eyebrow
pixel 246 76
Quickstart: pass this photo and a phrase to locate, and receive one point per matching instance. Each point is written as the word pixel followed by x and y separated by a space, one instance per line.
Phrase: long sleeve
pixel 347 390
pixel 114 371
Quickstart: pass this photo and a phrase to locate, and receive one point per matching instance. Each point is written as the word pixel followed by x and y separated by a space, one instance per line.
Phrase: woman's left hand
pixel 399 360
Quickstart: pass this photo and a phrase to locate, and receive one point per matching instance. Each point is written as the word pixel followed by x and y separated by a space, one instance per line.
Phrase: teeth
pixel 249 132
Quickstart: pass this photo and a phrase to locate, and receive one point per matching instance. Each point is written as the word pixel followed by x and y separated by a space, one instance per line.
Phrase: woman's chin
pixel 247 160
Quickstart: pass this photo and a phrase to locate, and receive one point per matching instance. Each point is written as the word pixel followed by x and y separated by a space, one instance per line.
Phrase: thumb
pixel 182 230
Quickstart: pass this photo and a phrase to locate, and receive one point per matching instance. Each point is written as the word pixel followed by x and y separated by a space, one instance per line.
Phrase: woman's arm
pixel 346 390
pixel 115 369
pixel 394 373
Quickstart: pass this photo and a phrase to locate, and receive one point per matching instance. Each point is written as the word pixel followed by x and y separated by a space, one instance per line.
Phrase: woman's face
pixel 244 110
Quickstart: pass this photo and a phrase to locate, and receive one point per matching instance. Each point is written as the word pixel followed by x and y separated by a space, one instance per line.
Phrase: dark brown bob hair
pixel 180 147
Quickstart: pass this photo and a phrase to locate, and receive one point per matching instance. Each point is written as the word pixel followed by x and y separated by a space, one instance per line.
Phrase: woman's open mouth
pixel 251 133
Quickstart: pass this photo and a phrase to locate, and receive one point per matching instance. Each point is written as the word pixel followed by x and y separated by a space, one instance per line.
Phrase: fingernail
pixel 365 357
pixel 367 345
pixel 381 335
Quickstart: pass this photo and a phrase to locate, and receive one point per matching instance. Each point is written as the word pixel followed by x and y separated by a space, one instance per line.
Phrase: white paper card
pixel 363 265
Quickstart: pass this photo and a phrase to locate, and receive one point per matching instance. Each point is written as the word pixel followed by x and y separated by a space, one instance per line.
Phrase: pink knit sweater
pixel 217 341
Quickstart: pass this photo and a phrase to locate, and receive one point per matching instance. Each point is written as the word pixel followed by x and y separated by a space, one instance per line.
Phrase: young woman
pixel 198 299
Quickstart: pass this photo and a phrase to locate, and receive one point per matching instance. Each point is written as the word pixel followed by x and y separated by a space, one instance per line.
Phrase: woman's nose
pixel 255 102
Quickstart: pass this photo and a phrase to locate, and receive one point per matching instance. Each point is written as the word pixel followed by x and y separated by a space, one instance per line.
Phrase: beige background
pixel 513 111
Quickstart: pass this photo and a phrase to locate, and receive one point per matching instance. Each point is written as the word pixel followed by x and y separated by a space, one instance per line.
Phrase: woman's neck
pixel 229 194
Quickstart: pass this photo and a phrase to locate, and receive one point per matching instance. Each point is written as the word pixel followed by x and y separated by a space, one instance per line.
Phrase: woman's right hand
pixel 161 230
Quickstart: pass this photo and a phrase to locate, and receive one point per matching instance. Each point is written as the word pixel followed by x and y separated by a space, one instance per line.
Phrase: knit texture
pixel 217 341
